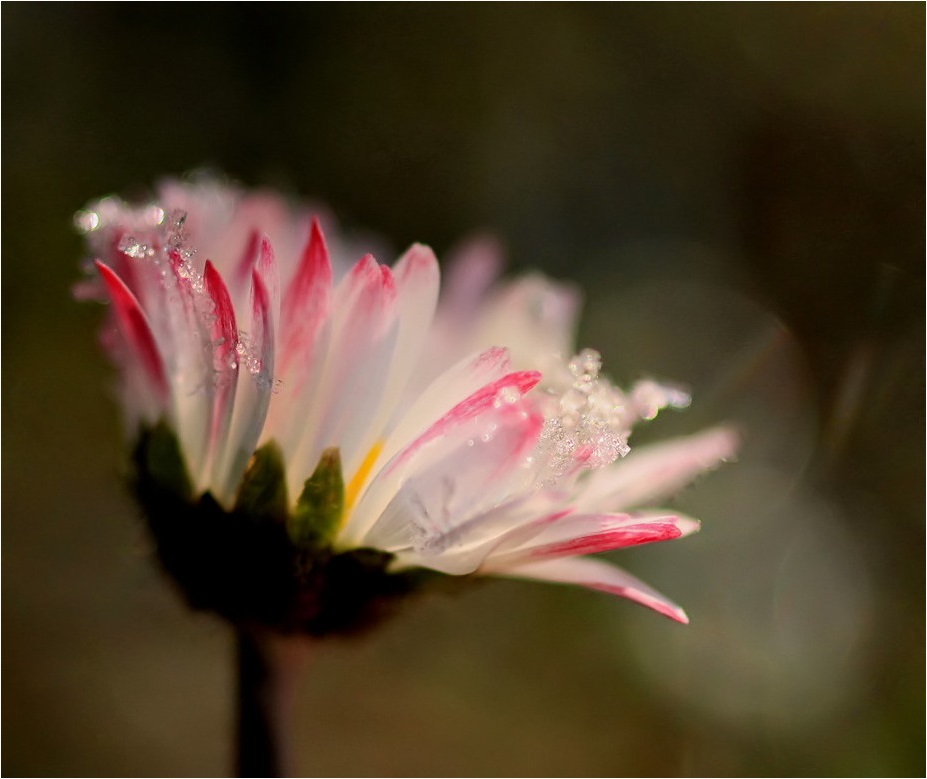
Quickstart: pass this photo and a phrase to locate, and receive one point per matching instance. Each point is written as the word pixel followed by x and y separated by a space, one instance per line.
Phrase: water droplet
pixel 132 247
pixel 587 363
pixel 649 398
pixel 585 424
pixel 154 215
pixel 506 396
pixel 86 221
pixel 177 232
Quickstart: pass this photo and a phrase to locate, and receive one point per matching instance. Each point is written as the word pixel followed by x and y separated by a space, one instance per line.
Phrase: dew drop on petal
pixel 649 398
pixel 154 215
pixel 506 396
pixel 86 221
pixel 133 247
pixel 586 423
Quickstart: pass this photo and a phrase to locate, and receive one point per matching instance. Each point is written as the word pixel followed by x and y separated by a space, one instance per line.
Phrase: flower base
pixel 244 566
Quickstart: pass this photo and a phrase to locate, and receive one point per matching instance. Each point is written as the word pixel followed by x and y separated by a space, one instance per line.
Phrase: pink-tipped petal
pixel 247 260
pixel 135 329
pixel 446 391
pixel 607 540
pixel 304 343
pixel 579 534
pixel 307 303
pixel 344 406
pixel 479 402
pixel 125 266
pixel 255 386
pixel 266 268
pixel 597 575
pixel 224 338
pixel 417 282
pixel 262 328
pixel 224 329
pixel 191 365
pixel 363 346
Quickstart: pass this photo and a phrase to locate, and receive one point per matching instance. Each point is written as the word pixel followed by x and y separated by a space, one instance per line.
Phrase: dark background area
pixel 740 191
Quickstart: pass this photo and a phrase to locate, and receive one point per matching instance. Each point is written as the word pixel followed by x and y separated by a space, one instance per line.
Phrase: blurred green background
pixel 740 191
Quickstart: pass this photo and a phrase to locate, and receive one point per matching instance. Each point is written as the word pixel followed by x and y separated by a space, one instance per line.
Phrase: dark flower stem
pixel 269 666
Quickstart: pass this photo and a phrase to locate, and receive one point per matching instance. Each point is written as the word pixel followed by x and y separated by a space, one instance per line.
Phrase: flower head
pixel 313 435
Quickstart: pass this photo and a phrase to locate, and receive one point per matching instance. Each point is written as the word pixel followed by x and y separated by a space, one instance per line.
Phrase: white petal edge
pixel 598 575
pixel 654 472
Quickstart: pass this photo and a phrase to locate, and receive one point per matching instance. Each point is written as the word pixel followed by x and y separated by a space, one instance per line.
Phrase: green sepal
pixel 321 504
pixel 262 493
pixel 162 460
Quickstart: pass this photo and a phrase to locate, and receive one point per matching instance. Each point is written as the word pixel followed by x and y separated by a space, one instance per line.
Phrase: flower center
pixel 352 491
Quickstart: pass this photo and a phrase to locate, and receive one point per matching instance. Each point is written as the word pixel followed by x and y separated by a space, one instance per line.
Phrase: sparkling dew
pixel 586 421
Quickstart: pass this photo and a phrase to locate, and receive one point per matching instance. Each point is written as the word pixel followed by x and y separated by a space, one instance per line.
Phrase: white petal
pixel 417 282
pixel 535 318
pixel 467 474
pixel 447 430
pixel 653 472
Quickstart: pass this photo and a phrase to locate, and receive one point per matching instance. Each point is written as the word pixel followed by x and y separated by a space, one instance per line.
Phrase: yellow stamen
pixel 352 491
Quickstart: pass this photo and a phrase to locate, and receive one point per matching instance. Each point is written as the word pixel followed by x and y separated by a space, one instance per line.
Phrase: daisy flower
pixel 314 437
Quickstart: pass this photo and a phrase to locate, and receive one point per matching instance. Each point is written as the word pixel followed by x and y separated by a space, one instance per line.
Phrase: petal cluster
pixel 470 438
